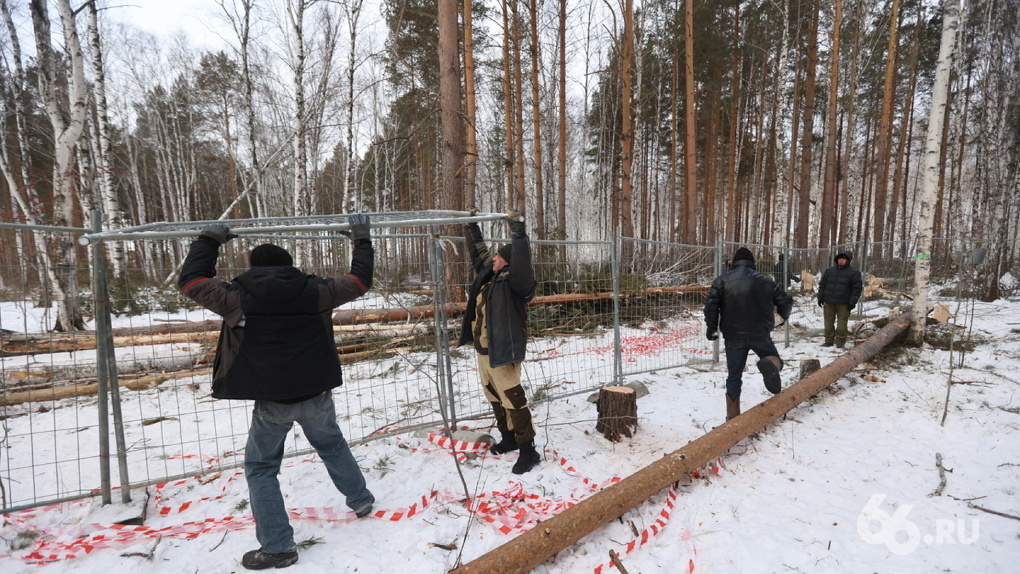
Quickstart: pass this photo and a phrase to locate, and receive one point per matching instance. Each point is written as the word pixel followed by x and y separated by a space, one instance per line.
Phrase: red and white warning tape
pixel 510 510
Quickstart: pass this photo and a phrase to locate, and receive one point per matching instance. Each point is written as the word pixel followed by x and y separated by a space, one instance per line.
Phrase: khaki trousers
pixel 502 387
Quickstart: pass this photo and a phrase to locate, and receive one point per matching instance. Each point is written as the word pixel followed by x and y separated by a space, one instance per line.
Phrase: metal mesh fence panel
pixel 48 421
pixel 604 311
pixel 663 288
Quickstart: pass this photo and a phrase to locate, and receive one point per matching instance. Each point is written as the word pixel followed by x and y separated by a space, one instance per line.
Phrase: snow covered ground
pixel 844 484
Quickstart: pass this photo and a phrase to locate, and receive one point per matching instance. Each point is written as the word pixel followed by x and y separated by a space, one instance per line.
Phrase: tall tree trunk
pixel 807 139
pixel 66 133
pixel 827 213
pixel 470 160
pixel 112 211
pixel 353 17
pixel 885 127
pixel 930 172
pixel 520 196
pixel 729 224
pixel 561 182
pixel 690 129
pixel 627 137
pixel 509 107
pixel 450 104
pixel 296 16
pixel 536 121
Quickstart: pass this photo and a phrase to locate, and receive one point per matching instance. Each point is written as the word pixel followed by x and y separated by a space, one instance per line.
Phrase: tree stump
pixel 617 408
pixel 808 366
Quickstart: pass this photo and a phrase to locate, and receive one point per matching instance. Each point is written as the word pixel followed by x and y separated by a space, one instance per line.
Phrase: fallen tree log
pixel 418 312
pixel 551 536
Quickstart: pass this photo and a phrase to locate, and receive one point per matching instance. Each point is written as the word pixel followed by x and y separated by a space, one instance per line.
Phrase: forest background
pixel 800 122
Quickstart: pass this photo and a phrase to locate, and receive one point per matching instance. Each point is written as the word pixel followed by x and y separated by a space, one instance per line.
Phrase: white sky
pixel 198 18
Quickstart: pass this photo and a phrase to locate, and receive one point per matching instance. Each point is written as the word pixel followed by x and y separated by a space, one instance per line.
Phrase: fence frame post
pixel 106 371
pixel 441 328
pixel 616 269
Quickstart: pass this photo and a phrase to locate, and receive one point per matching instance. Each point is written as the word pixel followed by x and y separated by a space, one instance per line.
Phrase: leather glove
pixel 781 323
pixel 516 221
pixel 472 210
pixel 359 227
pixel 712 335
pixel 852 305
pixel 219 232
pixel 821 303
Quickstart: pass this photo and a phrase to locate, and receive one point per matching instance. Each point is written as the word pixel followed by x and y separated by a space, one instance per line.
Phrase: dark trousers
pixel 736 359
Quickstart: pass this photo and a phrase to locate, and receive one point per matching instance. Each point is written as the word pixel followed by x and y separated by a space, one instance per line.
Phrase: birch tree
pixel 66 131
pixel 930 174
pixel 113 214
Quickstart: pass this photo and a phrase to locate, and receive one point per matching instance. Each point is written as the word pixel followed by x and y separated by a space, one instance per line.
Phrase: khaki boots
pixel 732 407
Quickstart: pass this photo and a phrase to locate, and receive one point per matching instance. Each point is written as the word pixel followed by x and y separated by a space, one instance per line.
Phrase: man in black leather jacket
pixel 496 324
pixel 276 347
pixel 740 305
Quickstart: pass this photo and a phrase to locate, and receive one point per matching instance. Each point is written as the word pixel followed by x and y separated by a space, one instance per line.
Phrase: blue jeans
pixel 736 359
pixel 270 424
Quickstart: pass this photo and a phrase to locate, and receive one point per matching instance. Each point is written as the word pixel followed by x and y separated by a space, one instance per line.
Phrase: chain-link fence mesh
pixel 604 311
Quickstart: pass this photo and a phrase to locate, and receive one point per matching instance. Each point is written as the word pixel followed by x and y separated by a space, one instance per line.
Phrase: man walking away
pixel 742 304
pixel 276 347
pixel 838 291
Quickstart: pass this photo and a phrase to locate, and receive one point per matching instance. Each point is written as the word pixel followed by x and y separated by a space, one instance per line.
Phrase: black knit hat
pixel 743 254
pixel 505 252
pixel 267 254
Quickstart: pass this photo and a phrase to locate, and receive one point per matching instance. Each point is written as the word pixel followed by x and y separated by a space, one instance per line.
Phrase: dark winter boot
pixel 732 408
pixel 528 459
pixel 259 560
pixel 507 444
pixel 769 367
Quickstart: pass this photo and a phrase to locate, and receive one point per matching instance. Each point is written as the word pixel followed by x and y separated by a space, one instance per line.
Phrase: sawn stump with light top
pixel 617 408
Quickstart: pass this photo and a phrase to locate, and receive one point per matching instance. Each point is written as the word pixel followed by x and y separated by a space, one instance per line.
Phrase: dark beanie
pixel 743 254
pixel 268 254
pixel 505 252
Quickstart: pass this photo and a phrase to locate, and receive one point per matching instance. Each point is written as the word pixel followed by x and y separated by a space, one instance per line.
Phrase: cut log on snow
pixel 551 536
pixel 617 408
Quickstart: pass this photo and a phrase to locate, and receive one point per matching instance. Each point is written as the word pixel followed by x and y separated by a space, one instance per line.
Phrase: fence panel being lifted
pixel 605 311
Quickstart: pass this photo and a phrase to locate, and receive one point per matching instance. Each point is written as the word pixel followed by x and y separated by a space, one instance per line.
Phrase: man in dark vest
pixel 276 347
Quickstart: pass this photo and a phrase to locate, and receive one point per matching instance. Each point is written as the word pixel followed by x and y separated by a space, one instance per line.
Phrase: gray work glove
pixel 516 221
pixel 781 323
pixel 219 232
pixel 360 228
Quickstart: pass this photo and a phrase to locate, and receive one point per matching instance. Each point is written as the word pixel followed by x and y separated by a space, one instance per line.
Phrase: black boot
pixel 507 444
pixel 769 367
pixel 528 459
pixel 259 560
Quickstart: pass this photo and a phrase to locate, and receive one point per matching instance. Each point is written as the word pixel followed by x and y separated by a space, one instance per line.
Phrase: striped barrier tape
pixel 510 510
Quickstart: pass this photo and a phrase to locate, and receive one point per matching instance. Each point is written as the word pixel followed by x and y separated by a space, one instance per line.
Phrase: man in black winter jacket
pixel 838 291
pixel 496 324
pixel 740 305
pixel 276 347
